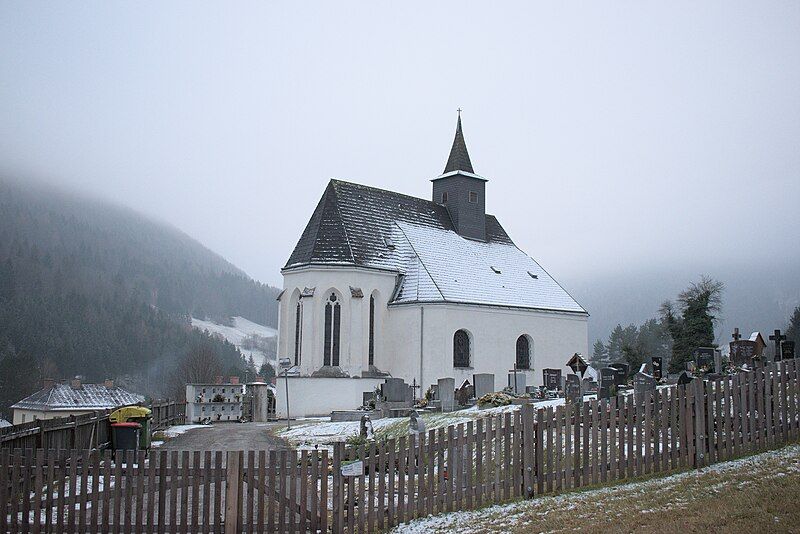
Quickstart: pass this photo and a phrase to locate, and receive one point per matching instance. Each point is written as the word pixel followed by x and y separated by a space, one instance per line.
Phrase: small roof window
pixel 533 275
pixel 473 197
pixel 388 242
pixel 496 269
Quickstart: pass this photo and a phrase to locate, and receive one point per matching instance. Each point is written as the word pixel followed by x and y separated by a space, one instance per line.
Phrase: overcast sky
pixel 614 135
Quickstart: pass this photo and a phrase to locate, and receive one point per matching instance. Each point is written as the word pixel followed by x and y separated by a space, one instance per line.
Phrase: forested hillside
pixel 95 289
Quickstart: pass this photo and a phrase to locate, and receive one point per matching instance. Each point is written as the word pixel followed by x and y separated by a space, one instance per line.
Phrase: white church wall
pixel 354 329
pixel 493 335
pixel 314 396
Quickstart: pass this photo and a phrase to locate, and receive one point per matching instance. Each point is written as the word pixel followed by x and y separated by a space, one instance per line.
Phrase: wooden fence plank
pixel 324 492
pixel 292 473
pixel 431 473
pixel 480 474
pixel 303 486
pixel 390 494
pixel 568 483
pixel 232 476
pixel 539 444
pixel 5 482
pixel 613 421
pixel 470 487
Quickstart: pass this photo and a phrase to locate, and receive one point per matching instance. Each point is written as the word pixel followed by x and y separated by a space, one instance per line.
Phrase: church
pixel 385 284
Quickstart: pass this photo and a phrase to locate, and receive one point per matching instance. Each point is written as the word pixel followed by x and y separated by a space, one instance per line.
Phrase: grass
pixel 760 493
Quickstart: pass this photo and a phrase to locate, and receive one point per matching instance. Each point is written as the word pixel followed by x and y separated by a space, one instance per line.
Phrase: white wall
pixel 320 396
pixel 494 332
pixel 30 415
pixel 354 333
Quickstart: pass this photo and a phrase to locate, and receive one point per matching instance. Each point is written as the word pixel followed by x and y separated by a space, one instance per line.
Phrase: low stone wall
pixel 319 396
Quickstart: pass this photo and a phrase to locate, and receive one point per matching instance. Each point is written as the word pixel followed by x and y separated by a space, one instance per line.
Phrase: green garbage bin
pixel 135 414
pixel 125 436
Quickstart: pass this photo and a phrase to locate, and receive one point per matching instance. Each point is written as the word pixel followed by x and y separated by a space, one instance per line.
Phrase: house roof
pixel 87 396
pixel 368 227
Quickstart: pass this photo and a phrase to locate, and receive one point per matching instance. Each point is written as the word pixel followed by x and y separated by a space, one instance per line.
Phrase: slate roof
pixel 459 157
pixel 87 396
pixel 364 226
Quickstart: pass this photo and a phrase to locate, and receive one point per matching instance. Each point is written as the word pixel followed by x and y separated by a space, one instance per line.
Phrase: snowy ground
pixel 173 432
pixel 310 433
pixel 235 334
pixel 754 494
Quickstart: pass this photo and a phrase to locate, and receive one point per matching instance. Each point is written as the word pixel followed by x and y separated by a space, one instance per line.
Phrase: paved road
pixel 228 436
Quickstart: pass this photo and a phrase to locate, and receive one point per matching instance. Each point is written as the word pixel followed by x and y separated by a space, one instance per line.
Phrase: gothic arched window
pixel 523 352
pixel 298 332
pixel 372 330
pixel 461 349
pixel 332 321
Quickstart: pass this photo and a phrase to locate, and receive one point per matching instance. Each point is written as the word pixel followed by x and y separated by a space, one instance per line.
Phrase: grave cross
pixel 414 388
pixel 777 337
pixel 736 335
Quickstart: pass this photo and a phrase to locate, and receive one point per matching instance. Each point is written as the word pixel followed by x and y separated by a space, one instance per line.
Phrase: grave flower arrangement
pixel 493 400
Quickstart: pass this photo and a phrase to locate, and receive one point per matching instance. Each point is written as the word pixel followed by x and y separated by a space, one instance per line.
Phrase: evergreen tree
pixel 690 322
pixel 793 330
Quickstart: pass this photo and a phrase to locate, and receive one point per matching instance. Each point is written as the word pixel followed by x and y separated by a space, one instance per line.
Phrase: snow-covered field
pixel 235 334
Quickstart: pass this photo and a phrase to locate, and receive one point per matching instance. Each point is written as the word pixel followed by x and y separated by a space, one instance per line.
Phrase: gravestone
pixel 578 364
pixel 589 385
pixel 704 359
pixel 787 350
pixel 658 367
pixel 520 382
pixel 622 372
pixel 717 361
pixel 777 338
pixel 416 425
pixel 464 393
pixel 608 384
pixel 643 383
pixel 572 389
pixel 394 390
pixel 447 393
pixel 434 389
pixel 367 431
pixel 368 398
pixel 551 378
pixel 742 352
pixel 483 383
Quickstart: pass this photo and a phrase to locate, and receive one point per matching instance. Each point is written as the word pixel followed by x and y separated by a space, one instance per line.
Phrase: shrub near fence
pixel 522 454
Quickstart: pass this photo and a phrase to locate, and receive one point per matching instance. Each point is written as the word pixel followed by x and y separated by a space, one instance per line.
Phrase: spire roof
pixel 459 157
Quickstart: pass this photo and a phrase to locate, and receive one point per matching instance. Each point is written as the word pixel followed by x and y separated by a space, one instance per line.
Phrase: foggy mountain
pixel 90 288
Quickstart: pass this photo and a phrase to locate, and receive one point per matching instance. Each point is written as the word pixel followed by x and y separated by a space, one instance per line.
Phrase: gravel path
pixel 228 436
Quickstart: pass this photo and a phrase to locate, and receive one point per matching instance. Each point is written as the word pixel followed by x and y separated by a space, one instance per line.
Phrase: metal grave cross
pixel 777 337
pixel 414 388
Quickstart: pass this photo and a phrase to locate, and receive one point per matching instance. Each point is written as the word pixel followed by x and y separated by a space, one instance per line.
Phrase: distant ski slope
pixel 235 334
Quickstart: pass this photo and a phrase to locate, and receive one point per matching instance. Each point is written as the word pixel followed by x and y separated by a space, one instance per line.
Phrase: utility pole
pixel 286 363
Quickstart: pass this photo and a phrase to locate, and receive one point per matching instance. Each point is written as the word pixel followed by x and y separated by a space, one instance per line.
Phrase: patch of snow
pixel 177 430
pixel 237 333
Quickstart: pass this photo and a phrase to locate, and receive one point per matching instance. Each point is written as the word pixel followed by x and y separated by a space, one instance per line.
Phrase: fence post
pixel 232 492
pixel 528 447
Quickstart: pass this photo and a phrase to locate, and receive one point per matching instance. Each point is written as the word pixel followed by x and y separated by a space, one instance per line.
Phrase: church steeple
pixel 459 157
pixel 462 191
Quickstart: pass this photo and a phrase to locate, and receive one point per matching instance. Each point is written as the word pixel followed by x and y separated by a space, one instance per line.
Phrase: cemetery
pixel 402 455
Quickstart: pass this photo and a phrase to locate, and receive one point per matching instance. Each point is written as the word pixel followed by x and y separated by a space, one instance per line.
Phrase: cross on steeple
pixel 736 335
pixel 459 111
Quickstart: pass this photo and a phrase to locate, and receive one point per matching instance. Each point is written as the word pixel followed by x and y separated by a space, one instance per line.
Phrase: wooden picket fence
pixel 521 453
pixel 87 431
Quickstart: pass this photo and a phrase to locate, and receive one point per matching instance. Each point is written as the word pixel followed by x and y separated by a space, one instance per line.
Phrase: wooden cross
pixel 736 335
pixel 777 337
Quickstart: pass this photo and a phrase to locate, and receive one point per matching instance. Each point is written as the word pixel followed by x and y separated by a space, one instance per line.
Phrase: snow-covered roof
pixel 87 396
pixel 444 266
pixel 369 227
pixel 4 423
